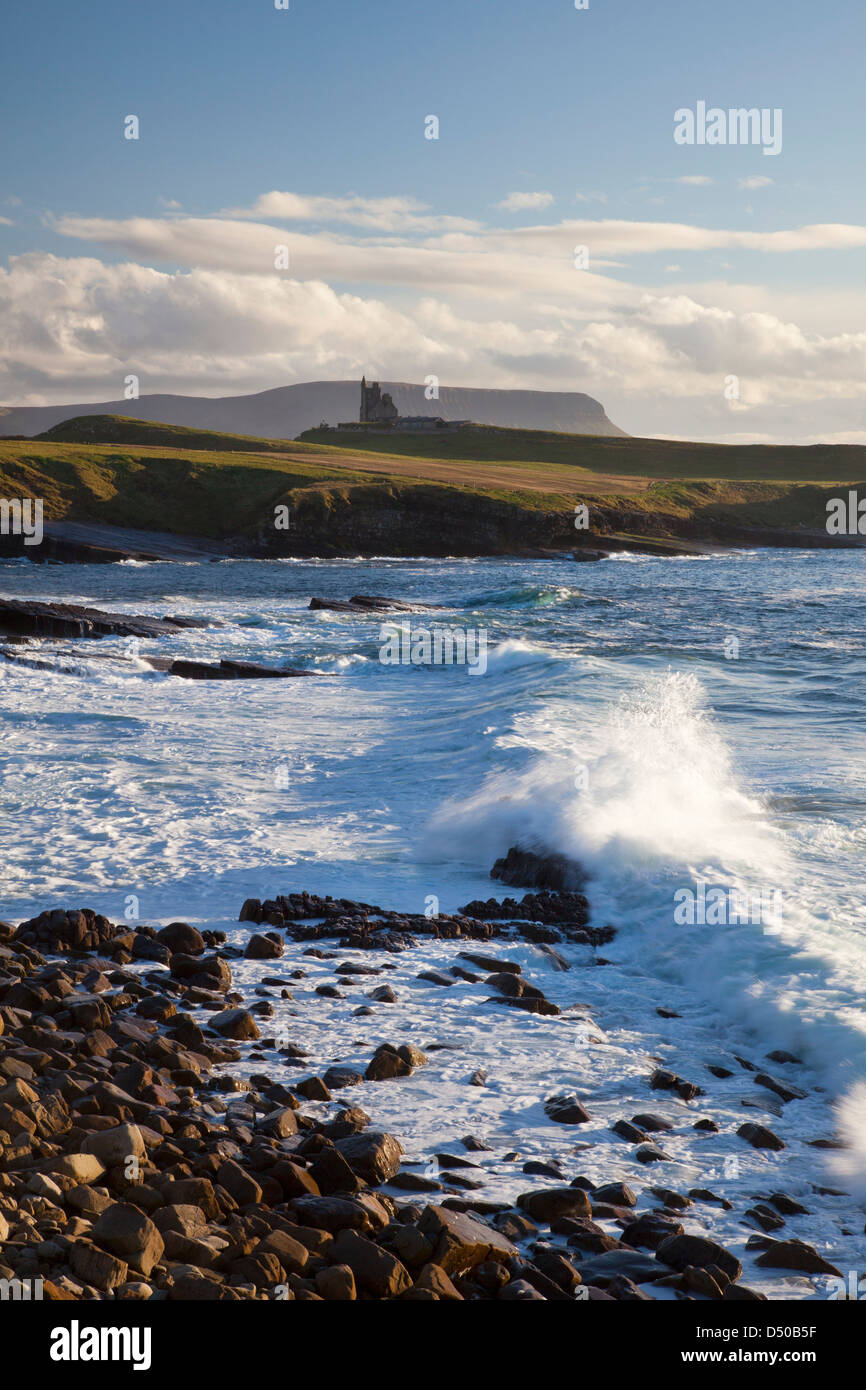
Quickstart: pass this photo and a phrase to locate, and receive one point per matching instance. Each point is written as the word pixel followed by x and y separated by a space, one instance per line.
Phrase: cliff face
pixel 286 411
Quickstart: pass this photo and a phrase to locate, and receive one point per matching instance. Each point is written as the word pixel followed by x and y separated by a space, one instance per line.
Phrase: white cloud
pixel 524 202
pixel 395 214
pixel 199 308
pixel 6 222
pixel 696 180
pixel 754 181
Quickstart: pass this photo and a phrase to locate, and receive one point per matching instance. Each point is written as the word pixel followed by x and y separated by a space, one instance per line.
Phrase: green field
pixel 495 490
pixel 615 456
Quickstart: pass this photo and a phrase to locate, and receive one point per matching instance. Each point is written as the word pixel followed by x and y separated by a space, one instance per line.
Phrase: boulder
pixel 265 946
pixel 205 972
pixel 524 869
pixel 547 1203
pixel 760 1137
pixel 566 1110
pixel 372 1154
pixel 680 1251
pixel 97 1267
pixel 180 936
pixel 126 1232
pixel 336 1284
pixel 376 1271
pixel 114 1147
pixel 235 1023
pixel 794 1254
pixel 460 1242
pixel 81 1167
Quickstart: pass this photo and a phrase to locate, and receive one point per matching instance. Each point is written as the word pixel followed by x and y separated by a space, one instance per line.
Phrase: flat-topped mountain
pixel 288 410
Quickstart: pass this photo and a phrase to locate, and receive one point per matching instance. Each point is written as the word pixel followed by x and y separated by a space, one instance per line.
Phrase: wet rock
pixel 386 1064
pixel 313 1088
pixel 236 1023
pixel 338 1077
pixel 651 1153
pixel 680 1251
pixel 267 946
pixel 674 1200
pixel 653 1124
pixel 765 1217
pixel 180 936
pixel 491 965
pixel 630 1264
pixel 461 1242
pixel 520 1291
pixel 662 1080
pixel 762 1103
pixel 436 977
pixel 794 1254
pixel 337 1214
pixel 629 1132
pixel 279 1124
pixel 546 1204
pixel 24 617
pixel 760 1137
pixel 701 1281
pixel 788 1206
pixel 376 1271
pixel 532 1004
pixel 543 1170
pixel 650 1229
pixel 373 1155
pixel 525 869
pixel 566 1110
pixel 203 972
pixel 783 1089
pixel 617 1193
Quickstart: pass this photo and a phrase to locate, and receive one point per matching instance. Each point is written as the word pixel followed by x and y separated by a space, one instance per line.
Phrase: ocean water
pixel 678 725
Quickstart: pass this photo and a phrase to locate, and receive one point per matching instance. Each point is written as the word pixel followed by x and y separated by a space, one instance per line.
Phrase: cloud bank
pixel 296 288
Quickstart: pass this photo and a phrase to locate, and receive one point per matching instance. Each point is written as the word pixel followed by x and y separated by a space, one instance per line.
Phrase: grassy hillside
pixel 347 499
pixel 123 429
pixel 616 457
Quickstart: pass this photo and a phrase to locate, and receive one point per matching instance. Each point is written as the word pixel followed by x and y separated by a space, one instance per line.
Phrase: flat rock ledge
pixel 25 618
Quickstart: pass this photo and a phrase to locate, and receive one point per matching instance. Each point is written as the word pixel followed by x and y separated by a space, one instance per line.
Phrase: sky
pixel 284 217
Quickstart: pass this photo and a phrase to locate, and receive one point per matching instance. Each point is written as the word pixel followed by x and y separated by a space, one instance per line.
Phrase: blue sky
pixel 328 99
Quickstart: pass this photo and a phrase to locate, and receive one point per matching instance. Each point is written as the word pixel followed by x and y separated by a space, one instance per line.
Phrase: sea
pixel 690 730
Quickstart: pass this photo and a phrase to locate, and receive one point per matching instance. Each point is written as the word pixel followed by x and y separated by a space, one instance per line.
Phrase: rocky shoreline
pixel 136 1164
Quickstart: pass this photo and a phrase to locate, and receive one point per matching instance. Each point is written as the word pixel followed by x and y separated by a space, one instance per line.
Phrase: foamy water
pixel 611 724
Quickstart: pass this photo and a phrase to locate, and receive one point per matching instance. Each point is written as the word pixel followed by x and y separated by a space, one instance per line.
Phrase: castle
pixel 378 412
pixel 376 407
